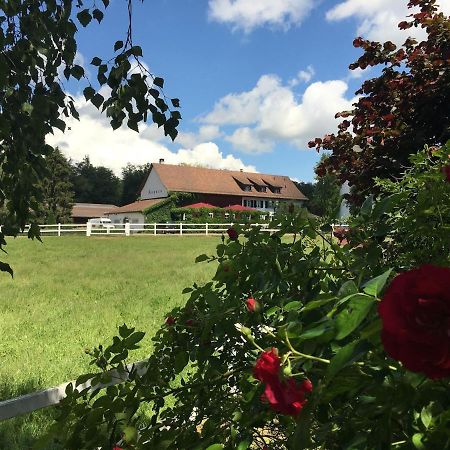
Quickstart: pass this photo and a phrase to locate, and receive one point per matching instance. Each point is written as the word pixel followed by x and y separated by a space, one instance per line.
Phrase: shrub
pixel 321 363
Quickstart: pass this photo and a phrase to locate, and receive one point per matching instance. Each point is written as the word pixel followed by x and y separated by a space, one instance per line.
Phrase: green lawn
pixel 71 293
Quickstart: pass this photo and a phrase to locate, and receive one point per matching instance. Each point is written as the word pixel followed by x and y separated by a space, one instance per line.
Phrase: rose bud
pixel 232 234
pixel 252 304
pixel 170 321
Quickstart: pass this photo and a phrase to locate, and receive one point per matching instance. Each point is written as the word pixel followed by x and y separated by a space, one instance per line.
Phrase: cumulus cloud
pixel 272 112
pixel 93 136
pixel 204 134
pixel 246 15
pixel 303 76
pixel 378 19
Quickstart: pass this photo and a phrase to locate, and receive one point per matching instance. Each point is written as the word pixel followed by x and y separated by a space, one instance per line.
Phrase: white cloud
pixel 205 133
pixel 304 76
pixel 378 19
pixel 93 136
pixel 246 15
pixel 272 112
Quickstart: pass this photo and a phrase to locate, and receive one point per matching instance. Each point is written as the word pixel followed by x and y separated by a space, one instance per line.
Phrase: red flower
pixel 416 320
pixel 190 322
pixel 446 172
pixel 284 396
pixel 232 234
pixel 117 448
pixel 170 321
pixel 252 304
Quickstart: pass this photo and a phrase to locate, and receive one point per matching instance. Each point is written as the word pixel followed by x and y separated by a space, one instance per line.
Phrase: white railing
pixel 128 229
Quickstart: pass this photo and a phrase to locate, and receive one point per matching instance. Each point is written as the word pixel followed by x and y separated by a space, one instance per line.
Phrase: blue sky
pixel 256 79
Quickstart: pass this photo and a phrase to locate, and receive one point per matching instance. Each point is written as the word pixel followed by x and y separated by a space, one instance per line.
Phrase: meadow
pixel 71 293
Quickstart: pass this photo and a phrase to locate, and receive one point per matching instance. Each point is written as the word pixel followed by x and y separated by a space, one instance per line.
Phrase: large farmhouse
pixel 220 188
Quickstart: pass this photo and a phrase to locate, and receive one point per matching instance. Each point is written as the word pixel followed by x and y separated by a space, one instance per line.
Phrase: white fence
pixel 128 229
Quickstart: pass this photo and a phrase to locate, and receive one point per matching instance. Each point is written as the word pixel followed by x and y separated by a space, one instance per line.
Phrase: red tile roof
pixel 213 181
pixel 200 205
pixel 138 206
pixel 91 210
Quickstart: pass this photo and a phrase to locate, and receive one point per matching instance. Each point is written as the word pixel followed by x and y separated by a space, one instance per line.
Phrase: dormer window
pixel 247 187
pixel 262 189
pixel 276 190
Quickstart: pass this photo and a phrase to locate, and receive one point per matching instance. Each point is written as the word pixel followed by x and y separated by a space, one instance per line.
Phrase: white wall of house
pixel 266 205
pixel 133 217
pixel 153 187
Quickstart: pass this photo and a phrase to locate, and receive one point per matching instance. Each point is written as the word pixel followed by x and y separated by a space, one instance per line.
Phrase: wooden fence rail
pixel 28 403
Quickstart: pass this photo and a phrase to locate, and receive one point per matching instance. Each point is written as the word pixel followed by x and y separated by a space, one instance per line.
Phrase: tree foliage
pixel 95 184
pixel 38 46
pixel 57 190
pixel 400 111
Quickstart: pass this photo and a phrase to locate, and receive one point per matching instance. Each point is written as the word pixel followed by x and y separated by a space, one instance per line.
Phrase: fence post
pixel 127 228
pixel 154 228
pixel 206 229
pixel 59 229
pixel 88 228
pixel 181 227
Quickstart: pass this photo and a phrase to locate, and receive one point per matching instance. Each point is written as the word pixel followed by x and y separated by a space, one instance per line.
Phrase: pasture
pixel 71 293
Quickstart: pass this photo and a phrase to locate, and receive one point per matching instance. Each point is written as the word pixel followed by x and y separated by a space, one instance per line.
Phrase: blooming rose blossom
pixel 252 304
pixel 415 312
pixel 232 234
pixel 284 396
pixel 446 172
pixel 170 321
pixel 117 448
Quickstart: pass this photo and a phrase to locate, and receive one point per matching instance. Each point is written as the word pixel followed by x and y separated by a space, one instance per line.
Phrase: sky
pixel 256 79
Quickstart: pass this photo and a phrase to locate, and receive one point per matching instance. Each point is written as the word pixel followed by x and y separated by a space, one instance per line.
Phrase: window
pixel 262 188
pixel 247 188
pixel 277 190
pixel 211 215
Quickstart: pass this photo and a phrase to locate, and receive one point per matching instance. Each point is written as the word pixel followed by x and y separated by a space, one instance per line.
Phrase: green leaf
pixel 367 206
pixel 6 268
pixel 375 285
pixel 181 360
pixel 118 45
pixel 84 17
pixel 348 288
pixel 159 82
pixel 98 15
pixel 60 124
pixel 315 332
pixel 175 102
pixel 215 447
pixel 136 50
pixel 201 258
pixel 356 310
pixel 77 72
pixel 96 61
pixel 106 3
pixel 244 445
pixel 97 100
pixel 292 306
pixel 344 357
pixel 88 92
pixel 417 441
pixel 136 337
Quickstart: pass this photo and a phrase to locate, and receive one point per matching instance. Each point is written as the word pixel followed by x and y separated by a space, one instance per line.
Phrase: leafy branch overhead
pixel 38 48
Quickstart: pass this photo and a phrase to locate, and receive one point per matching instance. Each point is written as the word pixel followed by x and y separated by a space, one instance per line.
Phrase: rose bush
pixel 371 348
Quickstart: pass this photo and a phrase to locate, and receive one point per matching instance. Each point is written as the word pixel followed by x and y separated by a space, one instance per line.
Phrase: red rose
pixel 252 304
pixel 284 396
pixel 190 322
pixel 117 448
pixel 232 234
pixel 170 321
pixel 267 366
pixel 446 172
pixel 416 320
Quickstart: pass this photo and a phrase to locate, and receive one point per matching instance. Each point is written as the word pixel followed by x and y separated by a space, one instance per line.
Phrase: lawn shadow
pixel 22 432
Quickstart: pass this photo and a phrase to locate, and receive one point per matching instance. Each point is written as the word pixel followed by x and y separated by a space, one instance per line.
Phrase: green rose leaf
pixel 356 310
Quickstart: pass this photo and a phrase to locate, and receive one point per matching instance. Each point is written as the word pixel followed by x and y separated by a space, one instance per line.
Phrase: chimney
pixel 161 160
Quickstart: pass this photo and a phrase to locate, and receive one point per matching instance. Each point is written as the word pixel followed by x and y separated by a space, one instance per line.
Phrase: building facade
pixel 220 188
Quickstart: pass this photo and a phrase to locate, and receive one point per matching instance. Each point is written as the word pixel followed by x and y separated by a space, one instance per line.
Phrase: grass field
pixel 71 293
